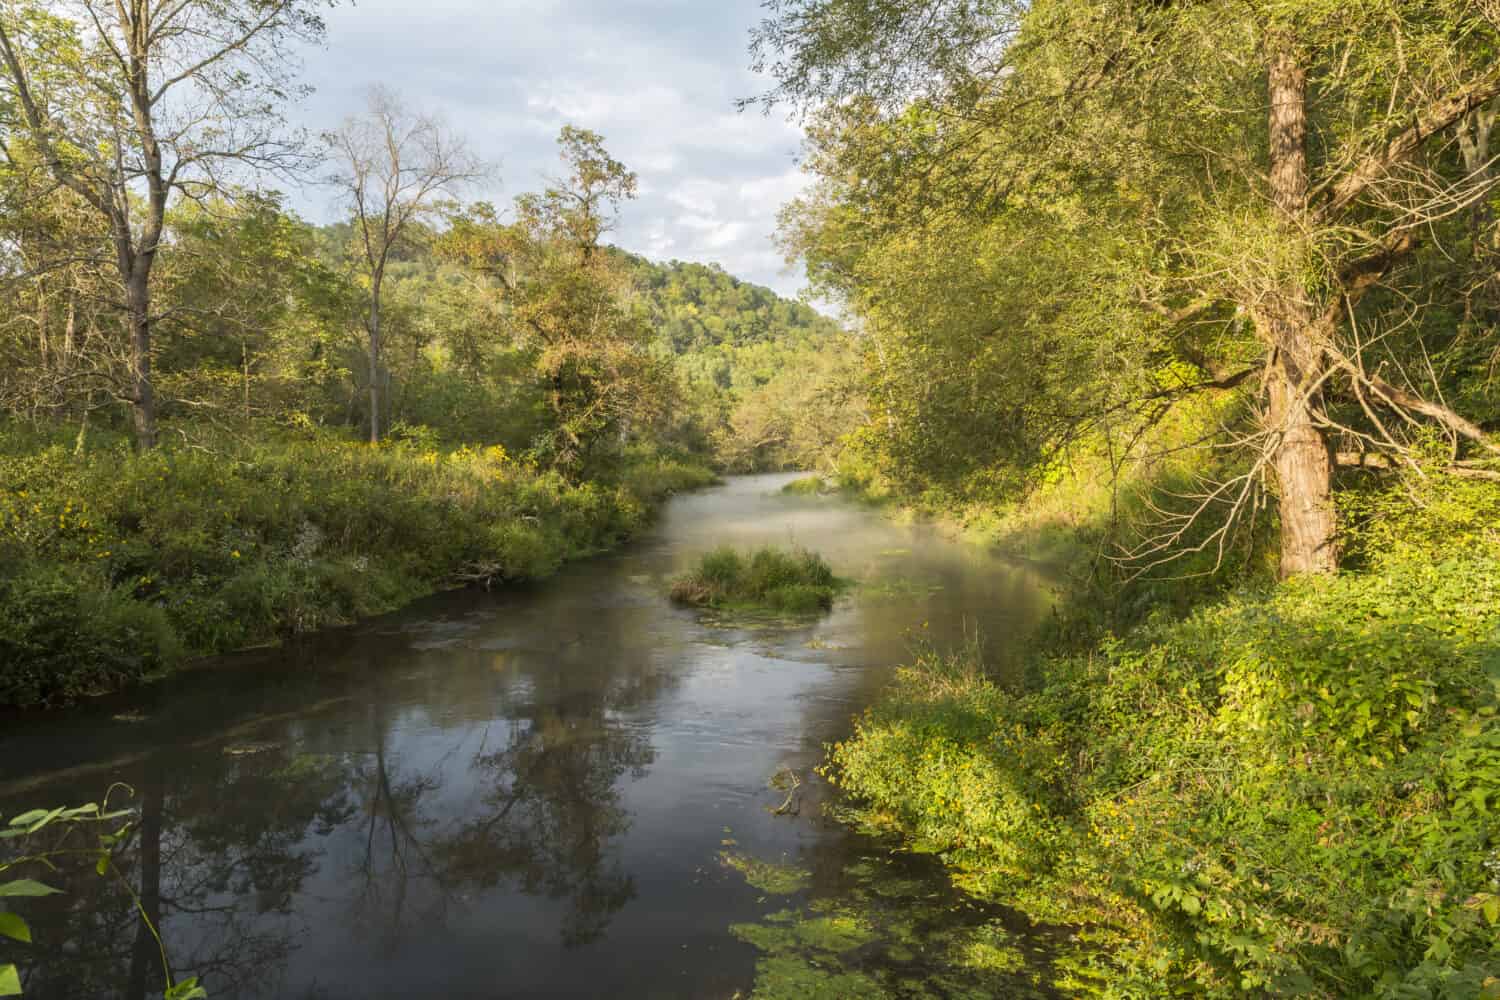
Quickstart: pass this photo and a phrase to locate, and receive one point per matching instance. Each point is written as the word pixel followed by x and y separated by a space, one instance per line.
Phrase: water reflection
pixel 493 795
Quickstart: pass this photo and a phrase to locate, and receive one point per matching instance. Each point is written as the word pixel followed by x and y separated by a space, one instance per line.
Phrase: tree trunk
pixel 375 361
pixel 1303 464
pixel 138 329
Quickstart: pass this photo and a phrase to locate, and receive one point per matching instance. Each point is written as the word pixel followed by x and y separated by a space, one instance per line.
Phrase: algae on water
pixel 769 877
pixel 885 931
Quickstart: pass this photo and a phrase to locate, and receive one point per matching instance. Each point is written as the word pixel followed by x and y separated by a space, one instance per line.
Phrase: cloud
pixel 658 78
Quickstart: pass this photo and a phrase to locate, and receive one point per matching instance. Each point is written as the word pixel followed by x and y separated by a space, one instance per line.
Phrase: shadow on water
pixel 527 793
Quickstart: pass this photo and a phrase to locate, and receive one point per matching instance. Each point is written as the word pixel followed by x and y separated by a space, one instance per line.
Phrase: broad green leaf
pixel 14 927
pixel 10 981
pixel 1492 910
pixel 27 887
pixel 28 818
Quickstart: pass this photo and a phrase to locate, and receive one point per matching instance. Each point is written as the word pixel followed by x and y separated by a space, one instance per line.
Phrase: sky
pixel 657 78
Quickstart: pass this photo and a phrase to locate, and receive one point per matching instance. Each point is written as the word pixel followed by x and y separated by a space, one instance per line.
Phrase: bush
pixel 797 582
pixel 115 566
pixel 807 486
pixel 1295 793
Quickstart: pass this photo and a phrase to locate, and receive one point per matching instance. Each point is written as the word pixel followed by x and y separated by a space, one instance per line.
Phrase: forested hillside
pixel 775 383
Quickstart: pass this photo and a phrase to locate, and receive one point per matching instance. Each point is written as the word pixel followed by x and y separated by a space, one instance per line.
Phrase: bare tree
pixel 394 165
pixel 130 102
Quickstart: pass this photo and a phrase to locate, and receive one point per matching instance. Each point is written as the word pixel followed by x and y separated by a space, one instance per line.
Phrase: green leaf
pixel 1190 904
pixel 14 927
pixel 28 818
pixel 1492 910
pixel 10 981
pixel 27 887
pixel 188 989
pixel 46 818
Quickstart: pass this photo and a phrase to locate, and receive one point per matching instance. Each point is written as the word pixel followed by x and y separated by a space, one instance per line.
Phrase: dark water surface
pixel 518 794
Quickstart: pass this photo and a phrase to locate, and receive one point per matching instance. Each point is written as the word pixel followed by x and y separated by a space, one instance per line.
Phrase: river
pixel 560 790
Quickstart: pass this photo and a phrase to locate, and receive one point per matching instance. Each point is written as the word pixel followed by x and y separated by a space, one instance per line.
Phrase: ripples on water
pixel 526 793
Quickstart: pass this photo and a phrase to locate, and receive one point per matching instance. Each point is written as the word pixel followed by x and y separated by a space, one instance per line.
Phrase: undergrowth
pixel 1292 792
pixel 115 566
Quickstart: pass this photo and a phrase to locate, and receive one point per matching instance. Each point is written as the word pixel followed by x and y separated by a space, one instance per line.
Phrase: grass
pixel 795 582
pixel 117 566
pixel 807 486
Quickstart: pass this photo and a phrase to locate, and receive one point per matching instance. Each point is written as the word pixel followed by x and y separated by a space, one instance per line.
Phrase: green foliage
pixel 807 486
pixel 797 582
pixel 105 830
pixel 117 565
pixel 881 933
pixel 1293 793
pixel 770 877
pixel 767 382
pixel 1057 223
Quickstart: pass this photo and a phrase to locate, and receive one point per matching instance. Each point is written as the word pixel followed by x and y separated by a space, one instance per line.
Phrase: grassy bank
pixel 116 566
pixel 1294 791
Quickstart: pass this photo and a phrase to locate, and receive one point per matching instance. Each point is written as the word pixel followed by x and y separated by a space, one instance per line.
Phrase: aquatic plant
pixel 807 486
pixel 883 930
pixel 796 582
pixel 770 877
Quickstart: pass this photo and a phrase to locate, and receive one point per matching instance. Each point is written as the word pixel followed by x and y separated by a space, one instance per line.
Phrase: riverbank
pixel 116 566
pixel 1293 790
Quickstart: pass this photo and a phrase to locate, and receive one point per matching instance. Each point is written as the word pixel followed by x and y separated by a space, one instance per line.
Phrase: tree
pixel 1260 182
pixel 571 299
pixel 393 166
pixel 130 103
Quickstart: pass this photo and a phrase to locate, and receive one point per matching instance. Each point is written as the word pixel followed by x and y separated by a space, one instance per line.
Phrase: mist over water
pixel 521 793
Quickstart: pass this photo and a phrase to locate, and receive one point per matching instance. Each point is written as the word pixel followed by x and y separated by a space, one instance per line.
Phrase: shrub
pixel 1295 793
pixel 115 566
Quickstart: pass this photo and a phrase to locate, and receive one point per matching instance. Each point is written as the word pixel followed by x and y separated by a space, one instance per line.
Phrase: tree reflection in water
pixel 231 840
pixel 225 874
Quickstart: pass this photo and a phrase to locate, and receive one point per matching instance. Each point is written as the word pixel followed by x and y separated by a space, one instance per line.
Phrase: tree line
pixel 153 273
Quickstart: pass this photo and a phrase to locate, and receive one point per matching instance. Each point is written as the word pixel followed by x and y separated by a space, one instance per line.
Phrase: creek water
pixel 558 790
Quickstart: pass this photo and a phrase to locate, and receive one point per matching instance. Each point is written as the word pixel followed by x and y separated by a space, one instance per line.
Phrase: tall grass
pixel 796 582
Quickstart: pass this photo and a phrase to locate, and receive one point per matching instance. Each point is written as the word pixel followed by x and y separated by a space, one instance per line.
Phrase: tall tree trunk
pixel 138 329
pixel 70 327
pixel 1304 466
pixel 1474 135
pixel 375 361
pixel 43 319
